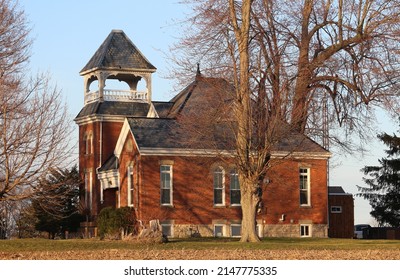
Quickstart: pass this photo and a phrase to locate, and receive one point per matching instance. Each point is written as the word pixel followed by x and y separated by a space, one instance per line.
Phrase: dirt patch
pixel 149 254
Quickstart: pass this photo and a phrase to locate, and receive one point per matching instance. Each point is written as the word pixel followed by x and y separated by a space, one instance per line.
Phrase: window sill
pixel 219 206
pixel 167 205
pixel 306 206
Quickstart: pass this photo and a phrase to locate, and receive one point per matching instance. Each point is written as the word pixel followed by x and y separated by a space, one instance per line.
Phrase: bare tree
pixel 10 215
pixel 34 125
pixel 297 62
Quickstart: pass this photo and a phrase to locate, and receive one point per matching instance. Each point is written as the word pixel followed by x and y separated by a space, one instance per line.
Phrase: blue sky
pixel 68 32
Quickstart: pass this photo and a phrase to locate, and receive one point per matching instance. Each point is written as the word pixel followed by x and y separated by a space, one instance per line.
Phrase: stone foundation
pixel 185 231
pixel 293 230
pixel 277 230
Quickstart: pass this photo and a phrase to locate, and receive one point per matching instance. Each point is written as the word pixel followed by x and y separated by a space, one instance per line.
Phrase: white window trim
pixel 260 230
pixel 219 168
pixel 88 190
pixel 223 230
pixel 309 230
pixel 308 186
pixel 171 186
pixel 131 186
pixel 88 139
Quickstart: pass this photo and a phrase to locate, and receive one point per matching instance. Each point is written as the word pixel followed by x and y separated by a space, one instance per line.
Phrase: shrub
pixel 112 222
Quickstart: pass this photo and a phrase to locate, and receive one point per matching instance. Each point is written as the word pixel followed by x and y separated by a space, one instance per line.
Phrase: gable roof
pixel 118 52
pixel 203 91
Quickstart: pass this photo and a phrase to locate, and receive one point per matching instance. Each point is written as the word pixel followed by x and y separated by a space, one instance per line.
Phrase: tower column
pixel 102 77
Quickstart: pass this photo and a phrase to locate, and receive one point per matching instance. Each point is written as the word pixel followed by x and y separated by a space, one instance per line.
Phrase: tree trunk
pixel 300 106
pixel 300 99
pixel 249 201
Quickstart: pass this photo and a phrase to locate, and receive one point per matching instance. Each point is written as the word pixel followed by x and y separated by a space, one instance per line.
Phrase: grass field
pixel 205 248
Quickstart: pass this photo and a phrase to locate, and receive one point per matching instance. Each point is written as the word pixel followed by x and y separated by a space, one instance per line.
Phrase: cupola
pixel 117 59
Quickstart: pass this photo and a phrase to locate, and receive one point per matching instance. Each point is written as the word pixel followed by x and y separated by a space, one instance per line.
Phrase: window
pixel 218 230
pixel 304 186
pixel 236 230
pixel 131 186
pixel 259 229
pixel 88 190
pixel 167 229
pixel 336 209
pixel 234 188
pixel 219 186
pixel 305 230
pixel 166 184
pixel 88 141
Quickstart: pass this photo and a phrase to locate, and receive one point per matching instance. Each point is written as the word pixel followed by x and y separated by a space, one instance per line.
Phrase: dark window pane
pixel 166 230
pixel 217 196
pixel 235 197
pixel 303 197
pixel 236 230
pixel 165 196
pixel 218 231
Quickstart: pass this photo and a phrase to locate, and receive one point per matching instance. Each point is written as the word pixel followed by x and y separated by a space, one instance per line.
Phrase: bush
pixel 112 222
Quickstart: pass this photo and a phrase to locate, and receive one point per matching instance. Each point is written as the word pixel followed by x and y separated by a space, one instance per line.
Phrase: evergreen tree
pixel 56 203
pixel 383 190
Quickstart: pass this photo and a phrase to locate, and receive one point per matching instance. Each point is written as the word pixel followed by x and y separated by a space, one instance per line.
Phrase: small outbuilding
pixel 341 213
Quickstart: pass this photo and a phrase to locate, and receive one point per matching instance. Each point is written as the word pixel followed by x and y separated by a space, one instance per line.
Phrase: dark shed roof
pixel 337 190
pixel 118 51
pixel 110 164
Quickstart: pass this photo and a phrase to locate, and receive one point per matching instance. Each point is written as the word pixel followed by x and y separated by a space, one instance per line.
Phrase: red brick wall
pixel 193 185
pixel 129 157
pixel 91 161
pixel 282 195
pixel 193 191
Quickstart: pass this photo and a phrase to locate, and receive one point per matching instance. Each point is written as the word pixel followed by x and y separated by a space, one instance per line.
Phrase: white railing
pixel 116 95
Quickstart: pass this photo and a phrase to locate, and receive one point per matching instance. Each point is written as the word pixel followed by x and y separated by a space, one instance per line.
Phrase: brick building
pixel 141 153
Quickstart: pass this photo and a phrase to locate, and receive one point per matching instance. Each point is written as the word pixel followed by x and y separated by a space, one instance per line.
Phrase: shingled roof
pixel 159 133
pixel 203 91
pixel 118 51
pixel 115 108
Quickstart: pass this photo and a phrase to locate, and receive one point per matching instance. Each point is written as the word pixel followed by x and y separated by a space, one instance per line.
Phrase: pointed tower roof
pixel 118 52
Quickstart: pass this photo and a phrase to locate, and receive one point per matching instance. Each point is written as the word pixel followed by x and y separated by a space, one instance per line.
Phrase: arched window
pixel 219 186
pixel 88 142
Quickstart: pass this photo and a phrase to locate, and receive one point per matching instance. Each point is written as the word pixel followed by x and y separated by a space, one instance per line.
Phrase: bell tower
pixel 118 59
pixel 103 114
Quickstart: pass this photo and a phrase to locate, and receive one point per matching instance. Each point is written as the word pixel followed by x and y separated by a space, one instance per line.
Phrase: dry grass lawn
pixel 201 249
